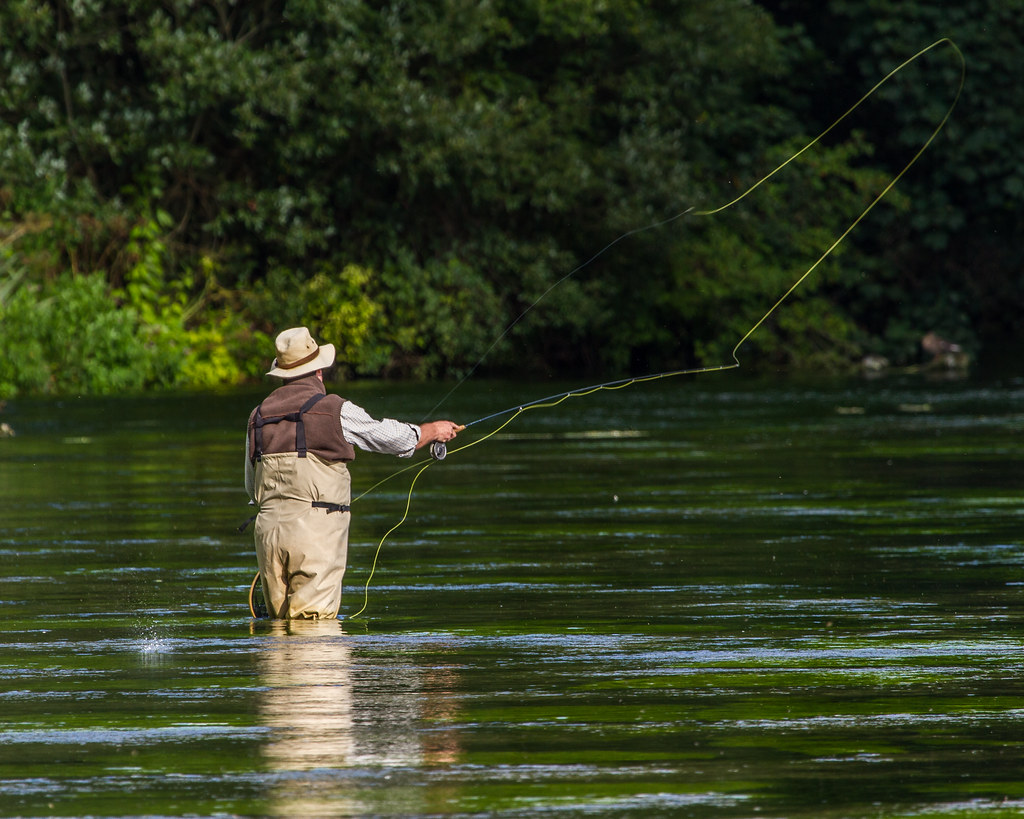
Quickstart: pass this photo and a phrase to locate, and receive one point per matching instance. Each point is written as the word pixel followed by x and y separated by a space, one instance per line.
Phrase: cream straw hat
pixel 298 354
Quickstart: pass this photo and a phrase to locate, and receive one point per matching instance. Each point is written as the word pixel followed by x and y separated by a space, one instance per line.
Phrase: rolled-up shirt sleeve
pixel 387 436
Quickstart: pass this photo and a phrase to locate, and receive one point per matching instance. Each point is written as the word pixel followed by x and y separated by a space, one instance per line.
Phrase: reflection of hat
pixel 298 354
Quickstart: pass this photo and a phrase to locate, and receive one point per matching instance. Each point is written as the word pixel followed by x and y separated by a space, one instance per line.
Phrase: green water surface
pixel 704 598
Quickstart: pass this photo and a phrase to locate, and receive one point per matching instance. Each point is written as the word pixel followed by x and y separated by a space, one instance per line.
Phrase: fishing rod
pixel 578 392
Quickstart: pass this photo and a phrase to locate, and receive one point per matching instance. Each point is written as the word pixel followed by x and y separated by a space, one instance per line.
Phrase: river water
pixel 714 597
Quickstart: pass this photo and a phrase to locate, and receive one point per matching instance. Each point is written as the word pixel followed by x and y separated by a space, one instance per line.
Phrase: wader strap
pixel 332 507
pixel 257 436
pixel 296 417
pixel 300 428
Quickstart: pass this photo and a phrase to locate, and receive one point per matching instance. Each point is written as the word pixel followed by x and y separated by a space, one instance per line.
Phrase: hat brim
pixel 324 359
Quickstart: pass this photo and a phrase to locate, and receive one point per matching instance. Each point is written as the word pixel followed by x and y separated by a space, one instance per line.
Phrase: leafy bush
pixel 333 304
pixel 74 338
pixel 77 335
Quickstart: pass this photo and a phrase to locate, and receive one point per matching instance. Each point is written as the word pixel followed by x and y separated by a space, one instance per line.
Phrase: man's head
pixel 298 354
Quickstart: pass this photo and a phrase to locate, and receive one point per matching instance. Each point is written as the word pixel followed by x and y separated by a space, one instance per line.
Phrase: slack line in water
pixel 554 400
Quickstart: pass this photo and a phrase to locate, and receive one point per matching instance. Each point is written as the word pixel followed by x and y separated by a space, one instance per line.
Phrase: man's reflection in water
pixel 327 708
pixel 307 668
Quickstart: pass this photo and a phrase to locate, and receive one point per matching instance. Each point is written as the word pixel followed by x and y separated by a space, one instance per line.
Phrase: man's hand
pixel 443 431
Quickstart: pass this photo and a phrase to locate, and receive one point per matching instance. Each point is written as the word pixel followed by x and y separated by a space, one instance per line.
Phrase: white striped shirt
pixel 387 435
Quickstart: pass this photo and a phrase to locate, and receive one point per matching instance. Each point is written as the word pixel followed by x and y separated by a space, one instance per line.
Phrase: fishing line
pixel 692 211
pixel 554 400
pixel 541 297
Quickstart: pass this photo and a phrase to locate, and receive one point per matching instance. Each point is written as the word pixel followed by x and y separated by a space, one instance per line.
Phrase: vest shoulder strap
pixel 296 417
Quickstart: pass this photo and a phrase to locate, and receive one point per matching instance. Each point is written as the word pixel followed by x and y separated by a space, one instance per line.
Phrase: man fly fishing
pixel 299 442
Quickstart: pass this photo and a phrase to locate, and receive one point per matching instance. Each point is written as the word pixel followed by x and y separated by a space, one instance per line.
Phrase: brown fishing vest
pixel 299 417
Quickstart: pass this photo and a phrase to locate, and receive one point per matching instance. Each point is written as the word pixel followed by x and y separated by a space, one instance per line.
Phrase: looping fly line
pixel 555 400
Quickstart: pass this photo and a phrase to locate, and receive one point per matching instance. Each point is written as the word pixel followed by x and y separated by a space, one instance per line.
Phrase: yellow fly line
pixel 555 400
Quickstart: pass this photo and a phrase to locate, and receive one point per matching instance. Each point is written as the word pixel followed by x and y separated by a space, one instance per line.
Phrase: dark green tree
pixel 411 177
pixel 952 263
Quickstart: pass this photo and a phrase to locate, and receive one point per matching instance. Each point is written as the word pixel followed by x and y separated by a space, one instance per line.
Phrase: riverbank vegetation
pixel 179 179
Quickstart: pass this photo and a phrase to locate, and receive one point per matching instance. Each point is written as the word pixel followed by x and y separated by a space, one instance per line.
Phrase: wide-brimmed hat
pixel 298 354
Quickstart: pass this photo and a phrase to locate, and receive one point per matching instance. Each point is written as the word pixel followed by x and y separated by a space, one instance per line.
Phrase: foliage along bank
pixel 180 179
